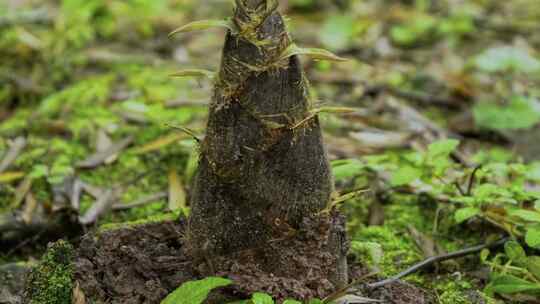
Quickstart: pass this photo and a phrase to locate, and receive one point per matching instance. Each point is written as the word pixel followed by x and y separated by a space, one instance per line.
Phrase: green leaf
pixel 203 25
pixel 261 298
pixel 195 292
pixel 346 168
pixel 533 265
pixel 533 172
pixel 484 255
pixel 415 30
pixel 532 237
pixel 405 175
pixel 292 302
pixel 530 216
pixel 337 32
pixel 464 214
pixel 442 148
pixel 488 192
pixel 520 113
pixel 509 284
pixel 317 54
pixel 315 301
pixel 507 58
pixel 516 253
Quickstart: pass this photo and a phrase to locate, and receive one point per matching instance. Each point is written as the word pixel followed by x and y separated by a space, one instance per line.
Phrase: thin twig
pixel 101 157
pixel 140 202
pixel 40 15
pixel 436 259
pixel 472 179
pixel 342 291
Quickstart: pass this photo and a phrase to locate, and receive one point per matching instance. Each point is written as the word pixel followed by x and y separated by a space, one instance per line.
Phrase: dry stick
pixel 343 291
pixel 471 180
pixel 40 15
pixel 440 258
pixel 99 207
pixel 141 202
pixel 99 158
pixel 16 147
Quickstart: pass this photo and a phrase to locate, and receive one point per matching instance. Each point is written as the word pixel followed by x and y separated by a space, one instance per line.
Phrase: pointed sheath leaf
pixel 194 73
pixel 202 25
pixel 195 292
pixel 335 110
pixel 317 54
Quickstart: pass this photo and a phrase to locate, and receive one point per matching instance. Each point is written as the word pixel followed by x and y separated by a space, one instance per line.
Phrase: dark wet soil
pixel 142 264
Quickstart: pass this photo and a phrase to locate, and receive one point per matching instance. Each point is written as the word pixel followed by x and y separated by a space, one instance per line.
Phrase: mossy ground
pixel 51 281
pixel 104 66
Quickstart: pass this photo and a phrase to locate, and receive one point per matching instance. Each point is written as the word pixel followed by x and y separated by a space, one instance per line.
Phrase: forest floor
pixel 443 128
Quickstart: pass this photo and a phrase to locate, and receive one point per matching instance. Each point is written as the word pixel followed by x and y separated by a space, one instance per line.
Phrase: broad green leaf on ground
pixel 411 32
pixel 533 265
pixel 488 192
pixel 292 302
pixel 464 214
pixel 261 298
pixel 346 168
pixel 534 172
pixel 337 32
pixel 529 216
pixel 519 113
pixel 516 253
pixel 509 284
pixel 532 237
pixel 507 58
pixel 442 148
pixel 195 292
pixel 405 175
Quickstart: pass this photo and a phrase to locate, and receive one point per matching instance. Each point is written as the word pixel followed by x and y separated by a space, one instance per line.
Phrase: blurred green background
pixel 78 77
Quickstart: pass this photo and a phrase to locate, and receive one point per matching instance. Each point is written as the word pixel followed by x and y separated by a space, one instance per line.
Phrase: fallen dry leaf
pixel 177 194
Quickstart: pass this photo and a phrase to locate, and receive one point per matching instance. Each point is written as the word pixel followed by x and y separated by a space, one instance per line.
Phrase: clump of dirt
pixel 143 263
pixel 400 293
pixel 132 265
pixel 294 265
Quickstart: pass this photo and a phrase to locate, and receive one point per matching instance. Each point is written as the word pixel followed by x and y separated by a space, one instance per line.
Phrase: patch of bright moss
pixel 452 292
pixel 170 216
pixel 50 282
pixel 399 250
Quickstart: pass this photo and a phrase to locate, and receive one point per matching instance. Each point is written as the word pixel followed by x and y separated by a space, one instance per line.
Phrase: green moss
pixel 50 282
pixel 170 216
pixel 399 250
pixel 452 292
